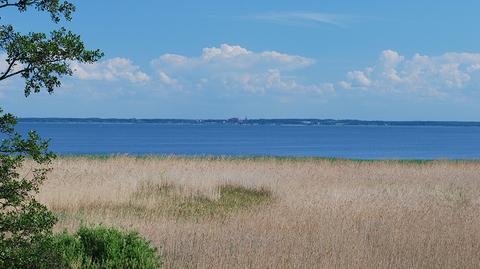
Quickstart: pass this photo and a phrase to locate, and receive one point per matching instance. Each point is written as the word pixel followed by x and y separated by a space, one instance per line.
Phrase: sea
pixel 299 138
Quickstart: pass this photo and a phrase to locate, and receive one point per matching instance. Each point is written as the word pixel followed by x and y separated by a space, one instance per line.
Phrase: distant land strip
pixel 237 121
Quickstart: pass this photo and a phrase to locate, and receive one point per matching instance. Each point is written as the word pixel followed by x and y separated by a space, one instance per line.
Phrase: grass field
pixel 279 213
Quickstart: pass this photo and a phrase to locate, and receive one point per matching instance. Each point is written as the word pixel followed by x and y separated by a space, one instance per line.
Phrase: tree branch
pixel 10 66
pixel 6 4
pixel 17 4
pixel 5 76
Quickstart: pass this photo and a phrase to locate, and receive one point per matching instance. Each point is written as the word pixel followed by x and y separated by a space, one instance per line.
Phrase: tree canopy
pixel 41 60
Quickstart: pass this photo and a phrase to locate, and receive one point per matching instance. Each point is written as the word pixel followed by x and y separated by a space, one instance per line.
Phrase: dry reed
pixel 322 213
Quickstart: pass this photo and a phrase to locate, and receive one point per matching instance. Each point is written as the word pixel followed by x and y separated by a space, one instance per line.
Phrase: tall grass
pixel 280 213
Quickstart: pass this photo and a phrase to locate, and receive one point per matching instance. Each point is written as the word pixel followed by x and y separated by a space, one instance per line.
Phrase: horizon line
pixel 240 119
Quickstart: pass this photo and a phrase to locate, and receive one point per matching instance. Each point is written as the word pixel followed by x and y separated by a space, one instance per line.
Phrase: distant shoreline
pixel 236 121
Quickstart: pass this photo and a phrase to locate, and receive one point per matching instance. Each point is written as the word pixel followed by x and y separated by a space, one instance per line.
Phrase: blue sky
pixel 388 60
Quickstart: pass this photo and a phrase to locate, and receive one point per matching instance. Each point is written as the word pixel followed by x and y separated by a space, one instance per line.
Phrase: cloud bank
pixel 231 67
pixel 110 70
pixel 420 74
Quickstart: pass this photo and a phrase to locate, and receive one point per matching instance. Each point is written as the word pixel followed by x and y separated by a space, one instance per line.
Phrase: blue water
pixel 359 142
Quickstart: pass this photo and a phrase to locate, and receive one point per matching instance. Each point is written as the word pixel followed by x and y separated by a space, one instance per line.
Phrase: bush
pixel 25 224
pixel 102 247
pixel 39 254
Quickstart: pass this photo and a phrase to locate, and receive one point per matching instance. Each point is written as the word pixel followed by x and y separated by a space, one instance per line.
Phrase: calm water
pixel 360 142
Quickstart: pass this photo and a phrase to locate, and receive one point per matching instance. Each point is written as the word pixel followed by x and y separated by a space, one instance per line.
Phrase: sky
pixel 336 59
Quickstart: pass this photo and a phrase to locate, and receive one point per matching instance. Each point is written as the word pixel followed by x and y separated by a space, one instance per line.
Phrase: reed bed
pixel 279 213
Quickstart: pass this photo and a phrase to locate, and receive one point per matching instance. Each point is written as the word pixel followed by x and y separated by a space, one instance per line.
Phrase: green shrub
pixel 39 254
pixel 25 224
pixel 69 248
pixel 103 247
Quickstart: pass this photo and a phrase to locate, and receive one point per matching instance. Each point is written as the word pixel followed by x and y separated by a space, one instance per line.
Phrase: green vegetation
pixel 156 199
pixel 39 59
pixel 232 198
pixel 103 247
pixel 25 224
pixel 168 200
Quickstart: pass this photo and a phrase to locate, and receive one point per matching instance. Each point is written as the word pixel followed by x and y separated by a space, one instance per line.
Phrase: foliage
pixel 56 8
pixel 41 60
pixel 102 247
pixel 24 223
pixel 38 59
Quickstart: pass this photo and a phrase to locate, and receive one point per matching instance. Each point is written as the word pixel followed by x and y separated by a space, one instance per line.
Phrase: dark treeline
pixel 328 122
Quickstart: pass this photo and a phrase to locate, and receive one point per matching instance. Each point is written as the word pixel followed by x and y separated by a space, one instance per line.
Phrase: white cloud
pixel 301 18
pixel 166 78
pixel 360 77
pixel 168 81
pixel 345 85
pixel 233 67
pixel 425 75
pixel 234 57
pixel 110 70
